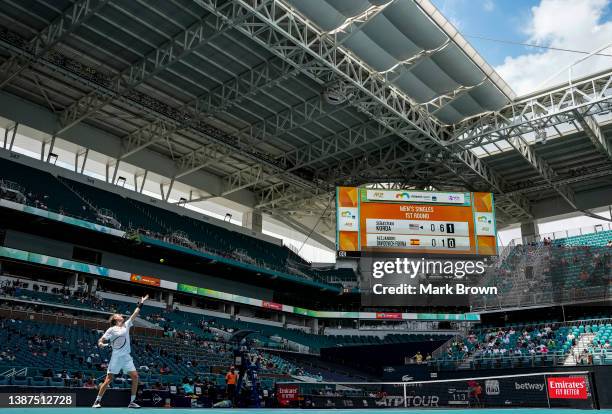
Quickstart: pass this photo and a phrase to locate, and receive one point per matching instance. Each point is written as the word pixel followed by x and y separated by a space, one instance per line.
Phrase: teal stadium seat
pixel 20 380
pixel 39 381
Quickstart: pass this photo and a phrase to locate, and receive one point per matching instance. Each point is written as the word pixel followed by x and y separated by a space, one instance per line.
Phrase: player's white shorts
pixel 121 362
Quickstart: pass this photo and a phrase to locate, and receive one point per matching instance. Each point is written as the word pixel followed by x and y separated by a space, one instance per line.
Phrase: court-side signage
pixel 567 388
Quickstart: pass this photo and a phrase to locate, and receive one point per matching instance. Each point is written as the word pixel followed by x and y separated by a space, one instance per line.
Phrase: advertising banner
pixel 272 305
pixel 388 315
pixel 510 391
pixel 22 255
pixel 286 394
pixel 145 280
pixel 567 388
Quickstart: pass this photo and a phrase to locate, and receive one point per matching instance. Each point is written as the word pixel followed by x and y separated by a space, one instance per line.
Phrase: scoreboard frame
pixel 401 220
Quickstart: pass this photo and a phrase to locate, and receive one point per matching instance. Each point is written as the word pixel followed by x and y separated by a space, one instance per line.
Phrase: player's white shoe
pixel 133 405
pixel 96 405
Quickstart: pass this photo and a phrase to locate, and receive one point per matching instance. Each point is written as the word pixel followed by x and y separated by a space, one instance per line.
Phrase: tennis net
pixel 573 389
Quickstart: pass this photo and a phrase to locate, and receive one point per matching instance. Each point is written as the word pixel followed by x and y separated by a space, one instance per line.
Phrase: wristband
pixel 139 305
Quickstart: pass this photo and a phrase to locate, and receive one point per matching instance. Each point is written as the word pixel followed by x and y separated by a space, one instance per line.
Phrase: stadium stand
pixel 72 352
pixel 180 318
pixel 83 201
pixel 537 344
pixel 600 238
pixel 559 272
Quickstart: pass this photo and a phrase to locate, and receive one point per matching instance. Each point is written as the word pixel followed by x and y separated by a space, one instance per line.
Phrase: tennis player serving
pixel 118 337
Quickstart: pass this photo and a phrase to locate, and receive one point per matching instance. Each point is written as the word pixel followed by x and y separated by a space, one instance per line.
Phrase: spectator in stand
pixel 89 383
pixel 584 275
pixel 572 338
pixel 188 386
pixel 418 357
pixel 231 379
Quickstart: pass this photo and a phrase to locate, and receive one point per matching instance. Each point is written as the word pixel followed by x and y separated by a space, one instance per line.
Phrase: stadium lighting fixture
pixel 121 181
pixel 228 217
pixel 52 158
pixel 541 135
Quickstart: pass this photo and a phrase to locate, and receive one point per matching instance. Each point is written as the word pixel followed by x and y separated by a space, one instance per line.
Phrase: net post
pixel 595 398
pixel 405 399
pixel 546 387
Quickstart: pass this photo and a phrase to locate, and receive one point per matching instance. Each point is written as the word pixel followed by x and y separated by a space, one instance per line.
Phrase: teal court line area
pixel 283 411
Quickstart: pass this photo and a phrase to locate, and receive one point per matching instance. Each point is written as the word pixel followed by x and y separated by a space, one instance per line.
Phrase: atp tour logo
pixel 492 387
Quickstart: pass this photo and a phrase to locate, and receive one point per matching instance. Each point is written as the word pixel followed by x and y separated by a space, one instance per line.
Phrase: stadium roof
pixel 270 104
pixel 417 51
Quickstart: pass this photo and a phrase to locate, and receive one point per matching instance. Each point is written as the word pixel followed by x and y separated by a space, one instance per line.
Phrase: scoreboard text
pixel 404 221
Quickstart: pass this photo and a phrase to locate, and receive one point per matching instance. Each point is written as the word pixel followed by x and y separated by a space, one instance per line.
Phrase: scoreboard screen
pixel 406 221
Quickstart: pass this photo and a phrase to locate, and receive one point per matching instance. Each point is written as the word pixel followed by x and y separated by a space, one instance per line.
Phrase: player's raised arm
pixel 138 306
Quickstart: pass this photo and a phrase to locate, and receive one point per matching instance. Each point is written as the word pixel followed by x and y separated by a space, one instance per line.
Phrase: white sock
pixel 98 399
pixel 133 398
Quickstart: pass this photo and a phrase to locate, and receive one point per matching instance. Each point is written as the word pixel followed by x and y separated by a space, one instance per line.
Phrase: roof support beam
pixel 440 102
pixel 593 131
pixel 12 131
pixel 281 30
pixel 253 81
pixel 542 167
pixel 536 113
pixel 86 136
pixel 333 145
pixel 303 229
pixel 273 21
pixel 199 34
pixel 220 99
pixel 274 195
pixel 45 40
pixel 598 173
pixel 276 125
pixel 209 133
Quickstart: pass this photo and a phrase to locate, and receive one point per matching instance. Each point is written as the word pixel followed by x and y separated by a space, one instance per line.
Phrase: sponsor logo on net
pixel 567 387
pixel 527 386
pixel 492 387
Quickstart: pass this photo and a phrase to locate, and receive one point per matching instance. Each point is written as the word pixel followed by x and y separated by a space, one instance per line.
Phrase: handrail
pixel 9 373
pixel 555 323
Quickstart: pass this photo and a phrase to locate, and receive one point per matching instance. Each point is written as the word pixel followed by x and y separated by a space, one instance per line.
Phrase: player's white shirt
pixel 115 332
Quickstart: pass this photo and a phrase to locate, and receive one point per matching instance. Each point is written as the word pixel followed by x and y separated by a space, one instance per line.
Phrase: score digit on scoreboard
pixel 404 221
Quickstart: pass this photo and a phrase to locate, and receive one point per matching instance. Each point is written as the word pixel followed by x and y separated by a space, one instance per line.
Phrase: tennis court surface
pixel 281 411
